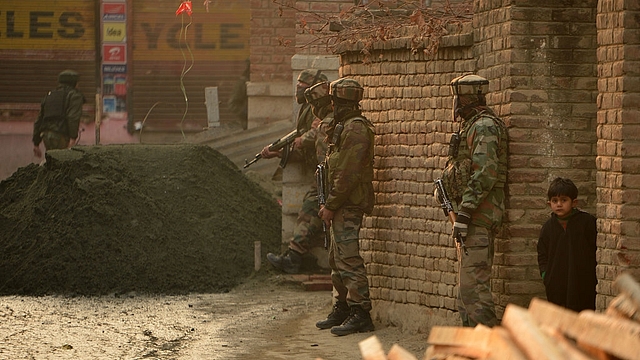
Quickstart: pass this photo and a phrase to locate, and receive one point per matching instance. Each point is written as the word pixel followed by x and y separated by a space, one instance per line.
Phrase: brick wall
pixel 315 14
pixel 618 144
pixel 405 242
pixel 271 30
pixel 540 58
pixel 567 87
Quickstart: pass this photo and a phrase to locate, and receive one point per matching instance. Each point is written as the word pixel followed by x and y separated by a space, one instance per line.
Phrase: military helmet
pixel 346 89
pixel 469 85
pixel 311 76
pixel 318 95
pixel 68 77
pixel 317 91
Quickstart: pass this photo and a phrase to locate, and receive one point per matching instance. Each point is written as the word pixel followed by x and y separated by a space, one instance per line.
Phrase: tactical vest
pixel 458 170
pixel 362 194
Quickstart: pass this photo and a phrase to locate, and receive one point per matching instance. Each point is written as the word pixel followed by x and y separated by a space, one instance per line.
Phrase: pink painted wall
pixel 16 149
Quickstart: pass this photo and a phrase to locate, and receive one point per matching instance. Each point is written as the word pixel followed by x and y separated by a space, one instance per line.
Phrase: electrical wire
pixel 185 69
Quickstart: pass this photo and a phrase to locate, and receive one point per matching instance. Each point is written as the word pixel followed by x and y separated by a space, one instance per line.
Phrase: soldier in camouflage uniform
pixel 474 179
pixel 308 228
pixel 349 196
pixel 60 112
pixel 320 100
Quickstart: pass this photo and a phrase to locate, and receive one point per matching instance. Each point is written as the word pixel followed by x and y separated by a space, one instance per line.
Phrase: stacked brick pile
pixel 544 331
pixel 547 331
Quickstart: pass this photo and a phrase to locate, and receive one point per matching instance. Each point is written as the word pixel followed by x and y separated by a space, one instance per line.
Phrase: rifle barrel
pixel 248 163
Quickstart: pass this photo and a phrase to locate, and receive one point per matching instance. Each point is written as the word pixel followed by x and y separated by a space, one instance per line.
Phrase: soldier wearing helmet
pixel 60 112
pixel 474 178
pixel 318 97
pixel 308 229
pixel 349 196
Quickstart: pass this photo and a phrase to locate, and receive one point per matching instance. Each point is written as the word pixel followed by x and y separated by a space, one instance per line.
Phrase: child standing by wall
pixel 567 250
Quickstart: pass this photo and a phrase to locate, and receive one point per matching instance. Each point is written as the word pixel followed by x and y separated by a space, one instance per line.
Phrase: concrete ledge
pixel 269 89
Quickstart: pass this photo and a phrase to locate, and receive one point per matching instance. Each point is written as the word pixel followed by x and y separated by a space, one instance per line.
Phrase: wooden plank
pixel 463 351
pixel 623 306
pixel 502 347
pixel 530 339
pixel 544 312
pixel 568 347
pixel 431 354
pixel 595 352
pixel 628 285
pixel 399 353
pixel 371 349
pixel 616 336
pixel 477 337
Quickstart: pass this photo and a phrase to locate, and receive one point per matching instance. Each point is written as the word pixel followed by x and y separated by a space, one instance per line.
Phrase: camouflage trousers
pixel 53 140
pixel 348 273
pixel 308 231
pixel 475 302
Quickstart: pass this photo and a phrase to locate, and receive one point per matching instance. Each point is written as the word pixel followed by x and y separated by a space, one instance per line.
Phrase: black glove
pixel 461 226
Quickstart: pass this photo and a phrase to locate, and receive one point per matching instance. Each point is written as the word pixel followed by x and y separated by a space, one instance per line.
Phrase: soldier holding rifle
pixel 474 181
pixel 350 195
pixel 308 224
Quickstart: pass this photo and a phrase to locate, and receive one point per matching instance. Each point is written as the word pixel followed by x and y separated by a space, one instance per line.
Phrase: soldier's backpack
pixel 54 108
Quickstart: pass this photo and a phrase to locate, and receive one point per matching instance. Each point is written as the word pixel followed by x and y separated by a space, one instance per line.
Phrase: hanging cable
pixel 185 6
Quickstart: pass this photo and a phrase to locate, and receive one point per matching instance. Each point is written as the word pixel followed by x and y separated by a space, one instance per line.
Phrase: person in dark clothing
pixel 239 102
pixel 60 112
pixel 567 250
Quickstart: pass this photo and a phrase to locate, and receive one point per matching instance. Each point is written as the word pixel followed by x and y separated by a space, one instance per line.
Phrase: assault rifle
pixel 282 143
pixel 322 199
pixel 447 209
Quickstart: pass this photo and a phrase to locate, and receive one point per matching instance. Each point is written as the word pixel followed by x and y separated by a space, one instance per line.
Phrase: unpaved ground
pixel 137 252
pixel 264 318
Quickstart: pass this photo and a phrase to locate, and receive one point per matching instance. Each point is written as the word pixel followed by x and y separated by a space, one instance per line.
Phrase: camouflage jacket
pixel 350 165
pixel 308 135
pixel 69 126
pixel 477 175
pixel 322 140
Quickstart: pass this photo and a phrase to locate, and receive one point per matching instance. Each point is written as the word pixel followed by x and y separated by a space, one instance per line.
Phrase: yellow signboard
pixel 47 25
pixel 222 34
pixel 114 32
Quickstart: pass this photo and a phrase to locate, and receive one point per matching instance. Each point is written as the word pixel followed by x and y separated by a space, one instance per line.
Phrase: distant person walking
pixel 60 112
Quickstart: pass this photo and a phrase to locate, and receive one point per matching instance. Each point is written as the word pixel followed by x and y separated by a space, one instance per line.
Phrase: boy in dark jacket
pixel 567 250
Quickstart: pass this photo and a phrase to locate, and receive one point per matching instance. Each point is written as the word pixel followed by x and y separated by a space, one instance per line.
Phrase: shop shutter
pixel 38 40
pixel 168 87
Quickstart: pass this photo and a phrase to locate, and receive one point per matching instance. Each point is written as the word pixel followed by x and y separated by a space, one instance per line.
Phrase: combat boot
pixel 288 262
pixel 358 321
pixel 339 314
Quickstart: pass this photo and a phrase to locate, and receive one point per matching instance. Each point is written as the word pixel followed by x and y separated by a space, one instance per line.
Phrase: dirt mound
pixel 165 219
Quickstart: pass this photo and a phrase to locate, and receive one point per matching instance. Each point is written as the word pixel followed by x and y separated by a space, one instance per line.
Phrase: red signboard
pixel 114 54
pixel 113 11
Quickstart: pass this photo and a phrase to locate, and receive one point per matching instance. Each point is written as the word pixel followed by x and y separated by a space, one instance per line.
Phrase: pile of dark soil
pixel 158 219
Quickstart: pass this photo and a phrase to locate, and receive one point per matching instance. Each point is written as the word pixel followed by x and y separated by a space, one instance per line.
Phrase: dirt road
pixel 264 318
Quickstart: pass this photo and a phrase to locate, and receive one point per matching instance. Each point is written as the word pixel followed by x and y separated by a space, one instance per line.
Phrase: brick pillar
pixel 271 48
pixel 539 56
pixel 618 161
